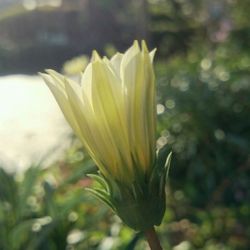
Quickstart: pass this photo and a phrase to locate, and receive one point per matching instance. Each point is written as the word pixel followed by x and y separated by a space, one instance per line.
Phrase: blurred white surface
pixel 32 127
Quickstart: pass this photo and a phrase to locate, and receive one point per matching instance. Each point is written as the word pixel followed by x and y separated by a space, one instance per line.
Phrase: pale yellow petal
pixel 90 87
pixel 131 75
pixel 116 62
pixel 150 114
pixel 86 83
pixel 152 55
pixel 128 58
pixel 59 93
pixel 109 108
pixel 95 56
pixel 89 135
pixel 139 86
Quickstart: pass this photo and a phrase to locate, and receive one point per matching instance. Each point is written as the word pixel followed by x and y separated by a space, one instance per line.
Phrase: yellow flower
pixel 112 111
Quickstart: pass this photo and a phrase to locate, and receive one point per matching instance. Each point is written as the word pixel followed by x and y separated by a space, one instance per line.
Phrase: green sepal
pixel 99 180
pixel 142 203
pixel 164 176
pixel 101 195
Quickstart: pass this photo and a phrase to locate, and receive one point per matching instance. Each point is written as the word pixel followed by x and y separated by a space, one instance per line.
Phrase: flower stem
pixel 153 239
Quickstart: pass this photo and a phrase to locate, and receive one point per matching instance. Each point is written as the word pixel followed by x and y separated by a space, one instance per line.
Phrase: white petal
pixel 152 55
pixel 109 108
pixel 59 93
pixel 116 62
pixel 137 78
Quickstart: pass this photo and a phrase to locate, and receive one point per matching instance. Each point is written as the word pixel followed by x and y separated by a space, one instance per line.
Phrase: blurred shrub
pixel 203 108
pixel 49 209
pixel 76 65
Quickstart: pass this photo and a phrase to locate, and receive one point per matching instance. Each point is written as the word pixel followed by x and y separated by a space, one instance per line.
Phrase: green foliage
pixel 50 209
pixel 205 99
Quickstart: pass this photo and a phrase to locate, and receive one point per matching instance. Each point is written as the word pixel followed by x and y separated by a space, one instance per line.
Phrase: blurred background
pixel 203 104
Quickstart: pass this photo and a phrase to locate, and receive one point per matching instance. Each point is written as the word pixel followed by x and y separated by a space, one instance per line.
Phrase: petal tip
pixel 95 56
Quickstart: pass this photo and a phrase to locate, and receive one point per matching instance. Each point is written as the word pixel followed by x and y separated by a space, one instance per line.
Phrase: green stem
pixel 153 239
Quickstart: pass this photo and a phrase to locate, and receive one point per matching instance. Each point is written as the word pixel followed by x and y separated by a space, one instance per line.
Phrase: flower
pixel 113 112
